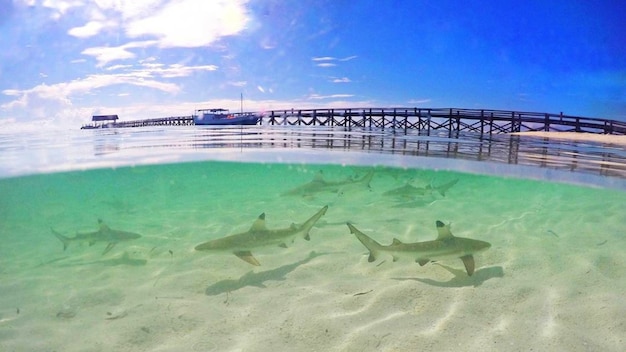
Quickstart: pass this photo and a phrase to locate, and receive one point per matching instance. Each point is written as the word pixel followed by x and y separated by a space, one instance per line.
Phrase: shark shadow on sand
pixel 460 279
pixel 257 279
pixel 124 259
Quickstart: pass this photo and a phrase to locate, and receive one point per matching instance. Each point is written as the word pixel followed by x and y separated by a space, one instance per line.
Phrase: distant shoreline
pixel 577 136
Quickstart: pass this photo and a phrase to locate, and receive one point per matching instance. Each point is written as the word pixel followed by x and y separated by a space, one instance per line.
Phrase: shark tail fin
pixel 368 178
pixel 442 189
pixel 65 240
pixel 367 241
pixel 309 223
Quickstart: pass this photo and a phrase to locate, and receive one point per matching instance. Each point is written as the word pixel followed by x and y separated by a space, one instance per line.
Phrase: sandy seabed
pixel 553 279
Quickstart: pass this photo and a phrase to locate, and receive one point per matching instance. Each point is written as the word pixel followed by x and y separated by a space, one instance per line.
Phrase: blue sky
pixel 65 60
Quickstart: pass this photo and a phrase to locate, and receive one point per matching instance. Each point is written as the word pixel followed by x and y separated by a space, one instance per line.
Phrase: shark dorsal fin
pixel 396 242
pixel 443 230
pixel 259 224
pixel 319 177
pixel 102 225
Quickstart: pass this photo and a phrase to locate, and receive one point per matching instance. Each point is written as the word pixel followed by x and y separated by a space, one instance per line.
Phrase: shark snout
pixel 128 235
pixel 482 245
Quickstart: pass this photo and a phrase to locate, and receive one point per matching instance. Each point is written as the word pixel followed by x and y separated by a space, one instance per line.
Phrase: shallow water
pixel 552 279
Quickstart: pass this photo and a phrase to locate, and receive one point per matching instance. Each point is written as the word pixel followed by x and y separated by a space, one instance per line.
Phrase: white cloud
pixel 176 70
pixel 332 96
pixel 90 29
pixel 160 23
pixel 419 101
pixel 331 58
pixel 59 7
pixel 324 58
pixel 327 61
pixel 238 83
pixel 191 23
pixel 341 80
pixel 106 54
pixel 118 67
pixel 130 9
pixel 61 93
pixel 145 76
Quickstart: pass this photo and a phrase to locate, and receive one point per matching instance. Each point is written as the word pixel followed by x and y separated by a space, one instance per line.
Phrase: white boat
pixel 223 117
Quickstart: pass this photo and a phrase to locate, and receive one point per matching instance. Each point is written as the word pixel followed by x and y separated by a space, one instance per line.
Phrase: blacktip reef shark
pixel 104 234
pixel 409 191
pixel 258 236
pixel 319 185
pixel 446 246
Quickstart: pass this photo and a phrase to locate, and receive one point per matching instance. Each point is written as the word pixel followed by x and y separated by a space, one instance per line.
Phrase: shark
pixel 446 246
pixel 258 236
pixel 104 234
pixel 319 185
pixel 409 191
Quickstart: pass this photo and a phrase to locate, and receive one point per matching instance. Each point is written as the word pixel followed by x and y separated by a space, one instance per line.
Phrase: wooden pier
pixel 481 121
pixel 161 121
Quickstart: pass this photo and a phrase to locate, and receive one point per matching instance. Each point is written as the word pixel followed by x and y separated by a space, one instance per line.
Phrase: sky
pixel 62 61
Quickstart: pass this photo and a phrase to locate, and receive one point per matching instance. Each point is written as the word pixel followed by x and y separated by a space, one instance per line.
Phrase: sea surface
pixel 552 210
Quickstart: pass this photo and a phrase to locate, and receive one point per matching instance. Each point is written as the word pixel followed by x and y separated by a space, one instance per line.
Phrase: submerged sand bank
pixel 552 280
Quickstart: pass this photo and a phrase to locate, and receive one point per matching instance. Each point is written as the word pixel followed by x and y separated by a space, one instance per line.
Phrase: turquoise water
pixel 552 279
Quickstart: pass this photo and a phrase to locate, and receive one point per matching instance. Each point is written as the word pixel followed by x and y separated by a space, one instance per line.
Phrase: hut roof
pixel 104 118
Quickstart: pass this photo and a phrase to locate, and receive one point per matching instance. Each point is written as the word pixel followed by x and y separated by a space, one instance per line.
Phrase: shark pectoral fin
pixel 394 258
pixel 109 247
pixel 422 262
pixel 468 261
pixel 295 227
pixel 247 257
pixel 282 245
pixel 91 243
